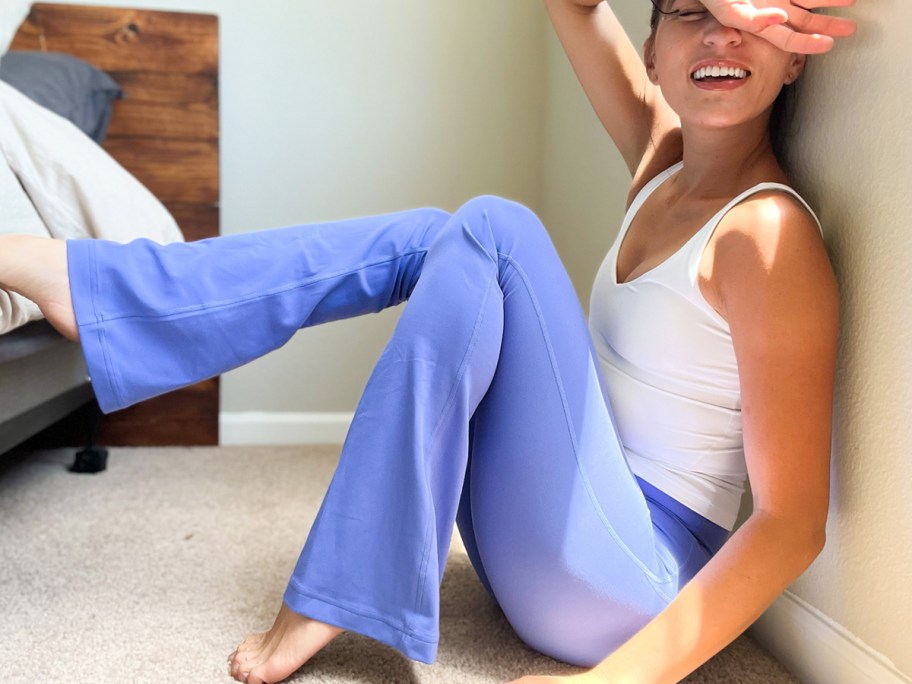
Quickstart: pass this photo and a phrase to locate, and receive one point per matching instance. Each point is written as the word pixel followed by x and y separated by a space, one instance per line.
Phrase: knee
pixel 508 222
pixel 435 214
pixel 501 211
pixel 433 219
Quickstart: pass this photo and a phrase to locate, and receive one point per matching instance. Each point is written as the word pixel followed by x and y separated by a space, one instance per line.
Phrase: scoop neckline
pixel 654 185
pixel 635 207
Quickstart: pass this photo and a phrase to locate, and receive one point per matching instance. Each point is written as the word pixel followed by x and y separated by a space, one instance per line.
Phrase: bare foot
pixel 273 656
pixel 36 268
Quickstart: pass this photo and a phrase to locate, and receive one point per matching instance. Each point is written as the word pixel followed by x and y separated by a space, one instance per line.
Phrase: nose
pixel 720 34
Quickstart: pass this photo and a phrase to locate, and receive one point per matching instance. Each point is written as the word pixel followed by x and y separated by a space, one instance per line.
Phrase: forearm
pixel 754 567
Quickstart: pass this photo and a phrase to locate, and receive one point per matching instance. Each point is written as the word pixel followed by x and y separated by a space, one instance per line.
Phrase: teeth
pixel 704 72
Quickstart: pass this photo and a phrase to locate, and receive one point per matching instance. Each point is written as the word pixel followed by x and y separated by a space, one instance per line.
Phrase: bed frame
pixel 166 133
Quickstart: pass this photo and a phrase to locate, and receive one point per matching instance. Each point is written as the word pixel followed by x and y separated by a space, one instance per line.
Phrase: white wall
pixel 333 110
pixel 853 159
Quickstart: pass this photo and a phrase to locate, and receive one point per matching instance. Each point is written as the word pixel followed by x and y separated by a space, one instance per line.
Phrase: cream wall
pixel 374 107
pixel 853 160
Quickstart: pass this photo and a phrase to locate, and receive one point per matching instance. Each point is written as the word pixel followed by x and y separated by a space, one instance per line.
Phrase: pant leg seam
pixel 652 576
pixel 447 408
pixel 259 295
pixel 100 332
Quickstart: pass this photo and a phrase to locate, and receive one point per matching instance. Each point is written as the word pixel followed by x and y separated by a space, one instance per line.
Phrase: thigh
pixel 553 517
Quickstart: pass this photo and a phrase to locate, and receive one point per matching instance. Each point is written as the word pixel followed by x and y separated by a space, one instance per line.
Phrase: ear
pixel 649 60
pixel 796 66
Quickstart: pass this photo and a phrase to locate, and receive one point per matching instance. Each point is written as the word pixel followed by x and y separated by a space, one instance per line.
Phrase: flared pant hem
pixel 81 265
pixel 361 619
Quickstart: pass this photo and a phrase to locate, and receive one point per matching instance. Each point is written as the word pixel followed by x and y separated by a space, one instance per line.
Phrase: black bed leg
pixel 92 459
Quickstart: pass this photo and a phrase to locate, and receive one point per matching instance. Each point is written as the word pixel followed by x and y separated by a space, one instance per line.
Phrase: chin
pixel 721 120
pixel 718 122
pixel 719 114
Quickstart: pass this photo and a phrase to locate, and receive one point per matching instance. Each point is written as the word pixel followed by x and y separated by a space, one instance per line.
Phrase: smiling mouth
pixel 713 74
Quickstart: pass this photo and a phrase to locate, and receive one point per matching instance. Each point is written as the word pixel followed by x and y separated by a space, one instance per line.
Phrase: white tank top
pixel 670 372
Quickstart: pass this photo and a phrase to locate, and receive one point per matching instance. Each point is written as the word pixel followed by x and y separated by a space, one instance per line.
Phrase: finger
pixel 817 4
pixel 789 40
pixel 744 16
pixel 824 24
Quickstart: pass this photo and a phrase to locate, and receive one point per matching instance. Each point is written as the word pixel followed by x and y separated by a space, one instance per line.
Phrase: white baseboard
pixel 260 427
pixel 818 650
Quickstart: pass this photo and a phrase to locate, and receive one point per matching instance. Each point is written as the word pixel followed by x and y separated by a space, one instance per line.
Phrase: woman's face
pixel 686 42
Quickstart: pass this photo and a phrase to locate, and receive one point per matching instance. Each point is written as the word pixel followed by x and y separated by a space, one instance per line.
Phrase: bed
pixel 159 170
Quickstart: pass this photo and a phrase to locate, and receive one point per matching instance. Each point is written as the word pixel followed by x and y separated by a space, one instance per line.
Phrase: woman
pixel 594 479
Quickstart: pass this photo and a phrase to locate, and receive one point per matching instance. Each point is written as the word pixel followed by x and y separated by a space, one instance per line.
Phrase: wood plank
pixel 124 39
pixel 178 121
pixel 166 105
pixel 186 417
pixel 166 88
pixel 174 170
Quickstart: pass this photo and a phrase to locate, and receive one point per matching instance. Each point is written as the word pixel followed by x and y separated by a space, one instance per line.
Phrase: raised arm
pixel 613 77
pixel 611 71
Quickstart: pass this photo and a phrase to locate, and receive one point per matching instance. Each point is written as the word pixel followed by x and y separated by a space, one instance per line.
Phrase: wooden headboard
pixel 166 130
pixel 166 133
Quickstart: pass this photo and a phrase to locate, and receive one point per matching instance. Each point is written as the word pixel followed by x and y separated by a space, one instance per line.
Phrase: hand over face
pixel 787 24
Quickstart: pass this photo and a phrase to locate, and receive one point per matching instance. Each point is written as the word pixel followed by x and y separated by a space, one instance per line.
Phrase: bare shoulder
pixel 768 252
pixel 768 224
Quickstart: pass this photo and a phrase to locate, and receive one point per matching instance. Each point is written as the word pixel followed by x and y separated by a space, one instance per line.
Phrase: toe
pixel 239 668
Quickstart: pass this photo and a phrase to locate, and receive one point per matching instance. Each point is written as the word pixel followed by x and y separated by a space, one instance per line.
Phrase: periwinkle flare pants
pixel 485 408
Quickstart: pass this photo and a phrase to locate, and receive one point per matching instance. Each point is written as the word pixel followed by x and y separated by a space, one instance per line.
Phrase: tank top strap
pixel 697 246
pixel 642 196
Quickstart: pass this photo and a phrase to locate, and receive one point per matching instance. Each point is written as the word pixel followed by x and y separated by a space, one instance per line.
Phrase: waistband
pixel 710 535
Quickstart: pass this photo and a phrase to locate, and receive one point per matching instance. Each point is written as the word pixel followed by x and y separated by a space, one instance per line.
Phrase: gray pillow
pixel 66 85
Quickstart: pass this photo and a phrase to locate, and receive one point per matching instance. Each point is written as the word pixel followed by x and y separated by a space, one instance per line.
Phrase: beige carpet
pixel 154 570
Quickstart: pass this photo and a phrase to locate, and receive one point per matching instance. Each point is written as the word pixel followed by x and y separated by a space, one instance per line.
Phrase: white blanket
pixel 18 216
pixel 56 181
pixel 12 14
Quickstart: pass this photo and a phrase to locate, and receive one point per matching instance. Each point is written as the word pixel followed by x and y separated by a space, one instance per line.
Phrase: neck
pixel 721 163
